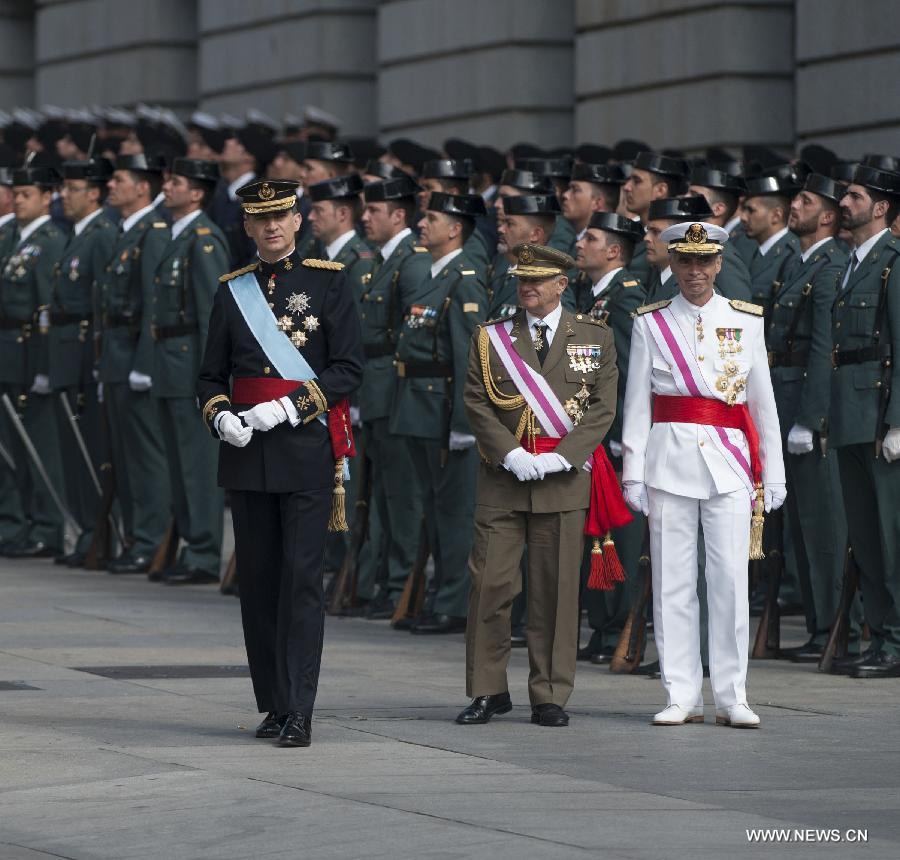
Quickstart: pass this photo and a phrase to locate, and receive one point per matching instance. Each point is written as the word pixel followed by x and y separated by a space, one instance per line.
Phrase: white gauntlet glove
pixel 265 416
pixel 461 441
pixel 891 445
pixel 139 381
pixel 232 431
pixel 636 497
pixel 41 384
pixel 774 496
pixel 799 440
pixel 549 463
pixel 522 465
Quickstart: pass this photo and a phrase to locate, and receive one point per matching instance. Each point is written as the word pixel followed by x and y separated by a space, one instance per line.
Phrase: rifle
pixel 412 598
pixel 767 644
pixel 100 550
pixel 840 627
pixel 633 638
pixel 347 577
pixel 7 458
pixel 165 553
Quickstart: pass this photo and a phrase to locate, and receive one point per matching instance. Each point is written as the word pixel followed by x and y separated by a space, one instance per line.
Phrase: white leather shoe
pixel 678 715
pixel 738 717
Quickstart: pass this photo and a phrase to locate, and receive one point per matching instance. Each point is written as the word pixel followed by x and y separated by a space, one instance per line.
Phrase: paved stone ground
pixel 99 767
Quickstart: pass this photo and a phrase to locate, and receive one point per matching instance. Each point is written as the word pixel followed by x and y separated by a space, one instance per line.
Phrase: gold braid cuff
pixel 210 409
pixel 318 399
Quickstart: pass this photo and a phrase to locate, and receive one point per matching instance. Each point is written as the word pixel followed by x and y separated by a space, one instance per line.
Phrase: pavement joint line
pixel 39 851
pixel 811 711
pixel 96 617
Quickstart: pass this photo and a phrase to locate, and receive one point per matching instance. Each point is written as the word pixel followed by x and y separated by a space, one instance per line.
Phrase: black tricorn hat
pixel 792 175
pixel 490 161
pixel 198 169
pixel 141 162
pixel 710 177
pixel 551 168
pixel 447 168
pixel 627 149
pixel 664 165
pixel 327 150
pixel 593 153
pixel 460 205
pixel 612 223
pixel 843 171
pixel 694 207
pixel 92 170
pixel 824 186
pixel 42 177
pixel 377 167
pixel 531 204
pixel 397 188
pixel 885 181
pixel 761 186
pixel 525 180
pixel 882 162
pixel 338 188
pixel 599 174
pixel 818 157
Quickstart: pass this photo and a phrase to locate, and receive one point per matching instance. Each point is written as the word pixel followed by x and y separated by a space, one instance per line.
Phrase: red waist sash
pixel 542 444
pixel 252 390
pixel 715 413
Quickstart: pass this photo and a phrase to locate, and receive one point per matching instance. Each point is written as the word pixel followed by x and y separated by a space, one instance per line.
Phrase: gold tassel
pixel 756 526
pixel 338 520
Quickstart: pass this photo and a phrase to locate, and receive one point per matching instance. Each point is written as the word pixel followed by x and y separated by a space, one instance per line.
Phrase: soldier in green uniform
pixel 592 188
pixel 25 290
pixel 652 177
pixel 123 300
pixel 71 338
pixel 603 254
pixel 396 282
pixel 186 280
pixel 334 212
pixel 864 418
pixel 723 190
pixel 555 171
pixel 321 160
pixel 799 339
pixel 432 354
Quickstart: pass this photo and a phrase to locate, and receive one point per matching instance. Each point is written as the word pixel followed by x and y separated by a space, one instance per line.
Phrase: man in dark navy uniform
pixel 282 355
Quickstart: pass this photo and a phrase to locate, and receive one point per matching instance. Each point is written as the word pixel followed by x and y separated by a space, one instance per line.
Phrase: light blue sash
pixel 277 346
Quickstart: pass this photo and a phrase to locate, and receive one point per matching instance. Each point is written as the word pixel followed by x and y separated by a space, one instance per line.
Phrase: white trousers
pixel 676 607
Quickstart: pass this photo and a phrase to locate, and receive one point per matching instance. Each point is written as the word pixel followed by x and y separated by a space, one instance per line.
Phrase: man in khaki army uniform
pixel 540 393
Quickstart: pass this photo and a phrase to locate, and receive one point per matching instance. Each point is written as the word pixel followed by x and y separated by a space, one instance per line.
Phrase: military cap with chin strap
pixel 447 168
pixel 824 186
pixel 885 181
pixel 198 169
pixel 551 168
pixel 92 170
pixel 338 188
pixel 532 204
pixel 42 177
pixel 396 188
pixel 539 262
pixel 459 205
pixel 609 222
pixel 698 237
pixel 599 174
pixel 141 162
pixel 695 207
pixel 710 177
pixel 525 180
pixel 264 196
pixel 664 165
pixel 327 150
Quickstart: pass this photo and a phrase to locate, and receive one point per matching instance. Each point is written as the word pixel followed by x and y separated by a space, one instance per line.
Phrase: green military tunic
pixel 357 257
pixel 770 269
pixel 563 237
pixel 857 417
pixel 185 284
pixel 123 299
pixel 71 345
pixel 742 243
pixel 11 518
pixel 503 296
pixel 26 284
pixel 393 286
pixel 432 355
pixel 799 338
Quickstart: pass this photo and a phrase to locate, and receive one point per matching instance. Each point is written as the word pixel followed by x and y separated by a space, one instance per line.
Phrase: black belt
pixel 859 356
pixel 422 369
pixel 377 351
pixel 163 332
pixel 63 318
pixel 119 320
pixel 10 323
pixel 796 358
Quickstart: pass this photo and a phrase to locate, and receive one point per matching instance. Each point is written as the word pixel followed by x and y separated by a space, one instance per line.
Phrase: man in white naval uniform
pixel 701 442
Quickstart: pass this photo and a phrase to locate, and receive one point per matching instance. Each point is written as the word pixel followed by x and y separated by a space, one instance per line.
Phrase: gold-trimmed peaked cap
pixel 263 196
pixel 694 237
pixel 538 262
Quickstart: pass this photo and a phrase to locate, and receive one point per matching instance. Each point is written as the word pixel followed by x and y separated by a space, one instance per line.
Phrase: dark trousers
pixel 280 548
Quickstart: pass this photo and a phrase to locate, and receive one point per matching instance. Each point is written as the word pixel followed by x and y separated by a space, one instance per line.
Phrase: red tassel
pixel 597 579
pixel 612 566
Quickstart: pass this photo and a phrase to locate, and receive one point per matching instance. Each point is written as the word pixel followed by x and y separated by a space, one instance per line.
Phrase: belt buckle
pixel 401 369
pixel 834 357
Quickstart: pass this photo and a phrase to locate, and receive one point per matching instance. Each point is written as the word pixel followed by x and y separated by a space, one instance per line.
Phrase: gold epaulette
pixel 630 283
pixel 203 231
pixel 654 306
pixel 498 320
pixel 419 249
pixel 313 263
pixel 587 318
pixel 467 272
pixel 159 225
pixel 746 307
pixel 237 272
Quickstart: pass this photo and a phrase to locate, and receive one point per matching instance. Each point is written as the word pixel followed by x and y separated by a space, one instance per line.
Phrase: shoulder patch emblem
pixel 419 249
pixel 630 283
pixel 746 307
pixel 237 272
pixel 160 225
pixel 313 263
pixel 467 271
pixel 655 306
pixel 203 231
pixel 470 307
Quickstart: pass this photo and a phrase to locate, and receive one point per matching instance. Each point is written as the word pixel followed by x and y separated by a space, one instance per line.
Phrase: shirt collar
pixel 242 180
pixel 813 248
pixel 131 220
pixel 605 281
pixel 332 250
pixel 665 274
pixel 390 246
pixel 5 219
pixel 580 234
pixel 681 305
pixel 551 321
pixel 436 267
pixel 770 242
pixel 78 228
pixel 732 224
pixel 28 229
pixel 179 226
pixel 863 250
pixel 489 192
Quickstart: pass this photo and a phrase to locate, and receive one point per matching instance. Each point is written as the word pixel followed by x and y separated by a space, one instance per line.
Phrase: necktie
pixel 851 268
pixel 379 262
pixel 540 341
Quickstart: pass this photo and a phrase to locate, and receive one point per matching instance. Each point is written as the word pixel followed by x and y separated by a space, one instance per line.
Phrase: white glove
pixel 231 430
pixel 461 441
pixel 41 384
pixel 99 392
pixel 774 496
pixel 355 420
pixel 891 445
pixel 265 416
pixel 44 319
pixel 96 374
pixel 800 440
pixel 636 497
pixel 549 463
pixel 521 464
pixel 615 448
pixel 139 381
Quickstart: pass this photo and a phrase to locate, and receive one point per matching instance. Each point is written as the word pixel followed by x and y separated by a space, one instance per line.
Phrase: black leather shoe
pixel 789 607
pixel 438 623
pixel 32 549
pixel 296 731
pixel 594 645
pixel 882 665
pixel 808 652
pixel 126 563
pixel 76 559
pixel 403 623
pixel 843 665
pixel 381 608
pixel 517 638
pixel 483 708
pixel 549 715
pixel 182 575
pixel 271 726
pixel 603 657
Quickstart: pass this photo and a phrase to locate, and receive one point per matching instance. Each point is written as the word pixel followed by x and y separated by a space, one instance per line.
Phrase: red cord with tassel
pixel 607 511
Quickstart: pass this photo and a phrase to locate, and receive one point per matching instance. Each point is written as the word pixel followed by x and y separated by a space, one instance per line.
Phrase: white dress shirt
pixel 732 224
pixel 665 274
pixel 240 182
pixel 551 321
pixel 857 255
pixel 436 267
pixel 29 228
pixel 132 219
pixel 604 282
pixel 179 226
pixel 390 246
pixel 813 248
pixel 332 250
pixel 78 228
pixel 766 246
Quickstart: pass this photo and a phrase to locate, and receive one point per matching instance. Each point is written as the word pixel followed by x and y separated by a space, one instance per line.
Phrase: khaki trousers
pixel 554 542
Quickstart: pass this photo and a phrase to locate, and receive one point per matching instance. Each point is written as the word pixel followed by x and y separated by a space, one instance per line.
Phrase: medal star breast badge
pixel 298 338
pixel 311 323
pixel 297 303
pixel 285 323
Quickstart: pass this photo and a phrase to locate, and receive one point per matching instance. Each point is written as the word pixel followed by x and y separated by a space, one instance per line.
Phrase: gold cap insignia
pixel 526 256
pixel 266 192
pixel 696 234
